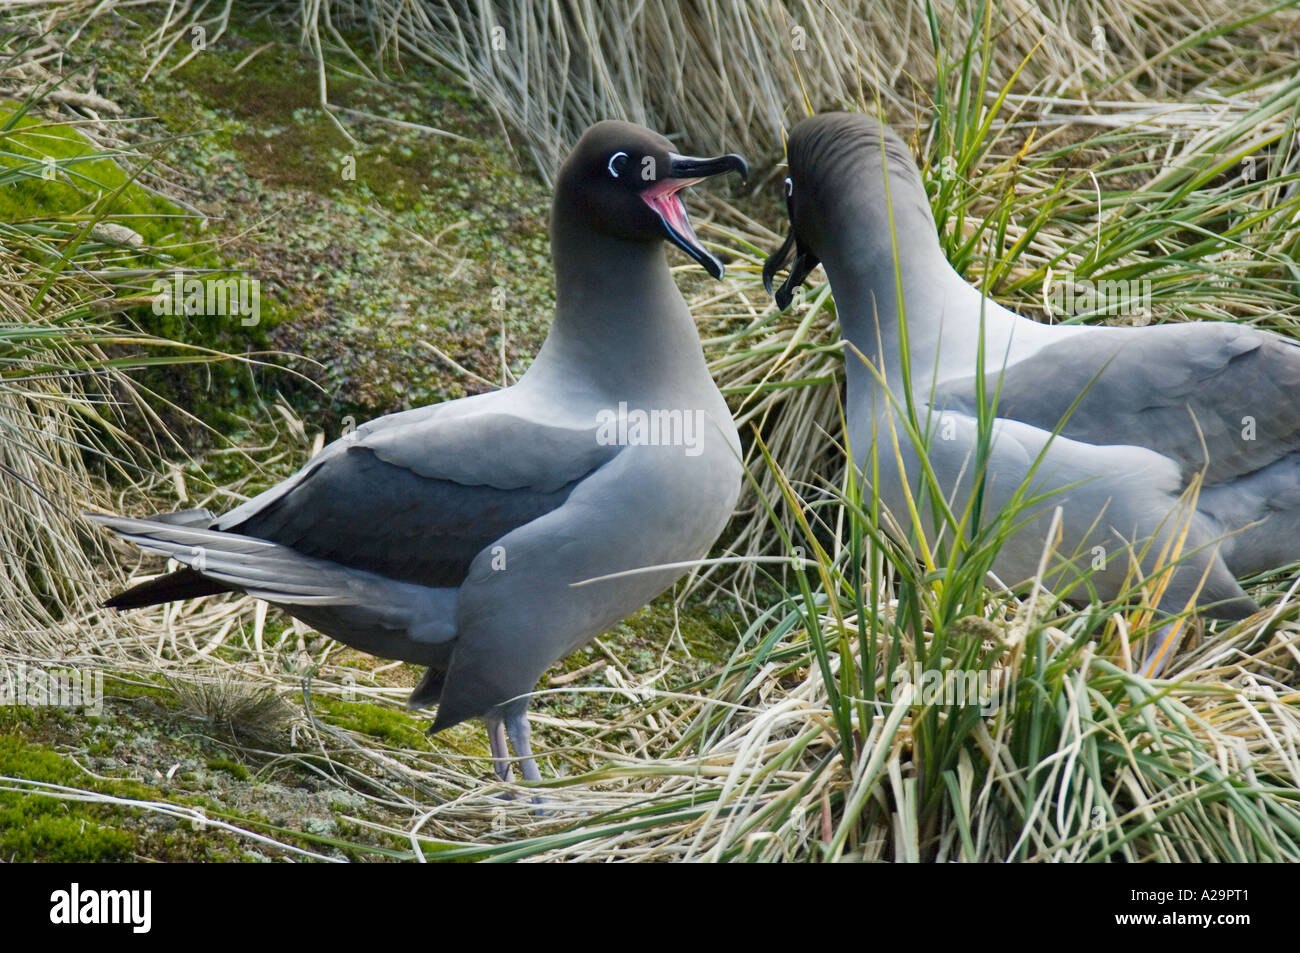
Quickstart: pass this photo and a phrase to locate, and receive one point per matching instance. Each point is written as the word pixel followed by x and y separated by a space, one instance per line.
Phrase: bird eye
pixel 789 186
pixel 616 163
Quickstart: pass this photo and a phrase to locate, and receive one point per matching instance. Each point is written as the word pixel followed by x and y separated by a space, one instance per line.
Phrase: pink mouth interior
pixel 665 201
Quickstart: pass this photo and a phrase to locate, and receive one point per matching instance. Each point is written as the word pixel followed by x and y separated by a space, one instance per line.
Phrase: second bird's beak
pixel 664 201
pixel 804 262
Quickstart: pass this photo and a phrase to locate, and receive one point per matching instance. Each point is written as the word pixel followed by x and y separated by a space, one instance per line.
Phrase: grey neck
pixel 868 265
pixel 621 325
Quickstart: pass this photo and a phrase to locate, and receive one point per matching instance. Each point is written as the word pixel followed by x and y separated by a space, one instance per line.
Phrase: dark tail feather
pixel 181 584
pixel 185 518
pixel 429 690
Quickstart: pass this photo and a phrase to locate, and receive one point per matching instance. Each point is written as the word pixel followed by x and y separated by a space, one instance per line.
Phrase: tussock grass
pixel 246 710
pixel 1044 154
pixel 733 75
pixel 67 347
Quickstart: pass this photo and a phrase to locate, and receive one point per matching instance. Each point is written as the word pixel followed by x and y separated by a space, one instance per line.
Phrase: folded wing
pixel 418 498
pixel 1218 397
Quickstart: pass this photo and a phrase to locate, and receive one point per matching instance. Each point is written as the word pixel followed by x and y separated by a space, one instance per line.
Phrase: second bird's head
pixel 835 192
pixel 625 182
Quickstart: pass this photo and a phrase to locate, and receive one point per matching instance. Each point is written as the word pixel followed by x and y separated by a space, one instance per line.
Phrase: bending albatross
pixel 454 535
pixel 1158 409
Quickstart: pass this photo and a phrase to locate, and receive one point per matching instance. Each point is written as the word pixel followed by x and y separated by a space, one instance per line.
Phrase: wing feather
pixel 418 500
pixel 1214 395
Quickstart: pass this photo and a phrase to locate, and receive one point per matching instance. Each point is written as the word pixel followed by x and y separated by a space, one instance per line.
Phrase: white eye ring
pixel 789 186
pixel 612 159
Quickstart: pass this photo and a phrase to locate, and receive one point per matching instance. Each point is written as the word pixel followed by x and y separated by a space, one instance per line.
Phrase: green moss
pixel 233 768
pixel 378 243
pixel 153 689
pixel 73 202
pixel 37 827
pixel 48 171
pixel 19 759
pixel 394 727
pixel 708 634
pixel 31 833
pixel 645 642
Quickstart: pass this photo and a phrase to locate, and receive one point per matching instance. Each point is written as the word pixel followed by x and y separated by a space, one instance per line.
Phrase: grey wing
pixel 418 501
pixel 1207 395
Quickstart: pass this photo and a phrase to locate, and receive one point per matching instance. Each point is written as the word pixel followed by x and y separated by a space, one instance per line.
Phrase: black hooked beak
pixel 662 197
pixel 804 262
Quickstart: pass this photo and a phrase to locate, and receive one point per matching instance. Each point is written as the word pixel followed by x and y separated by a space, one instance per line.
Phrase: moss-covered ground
pixel 377 245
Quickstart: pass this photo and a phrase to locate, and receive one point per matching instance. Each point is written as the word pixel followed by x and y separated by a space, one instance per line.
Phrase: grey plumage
pixel 1141 414
pixel 453 536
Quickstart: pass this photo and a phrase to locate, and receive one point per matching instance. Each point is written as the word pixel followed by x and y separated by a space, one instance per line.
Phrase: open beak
pixel 804 262
pixel 664 201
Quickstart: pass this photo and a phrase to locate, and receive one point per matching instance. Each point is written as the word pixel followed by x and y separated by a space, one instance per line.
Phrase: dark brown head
pixel 623 180
pixel 835 163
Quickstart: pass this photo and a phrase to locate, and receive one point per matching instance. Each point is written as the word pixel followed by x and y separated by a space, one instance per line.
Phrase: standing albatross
pixel 454 536
pixel 1143 414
